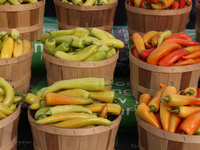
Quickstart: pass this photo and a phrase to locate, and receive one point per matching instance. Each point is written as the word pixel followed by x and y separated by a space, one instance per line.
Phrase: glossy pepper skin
pixel 138 42
pixel 173 122
pixel 191 123
pixel 144 112
pixel 90 83
pixel 147 37
pixel 189 91
pixel 50 43
pixel 180 36
pixel 106 96
pixel 7 48
pixel 161 51
pixel 184 62
pixel 75 93
pixel 182 42
pixel 145 98
pixel 163 36
pixel 192 55
pixel 29 98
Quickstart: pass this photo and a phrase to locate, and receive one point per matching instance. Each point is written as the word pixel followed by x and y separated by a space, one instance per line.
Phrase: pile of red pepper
pixel 171 110
pixel 160 4
pixel 165 48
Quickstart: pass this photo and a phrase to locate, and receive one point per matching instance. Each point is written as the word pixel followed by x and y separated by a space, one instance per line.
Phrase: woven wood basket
pixel 46 137
pixel 8 130
pixel 71 16
pixel 144 76
pixel 142 20
pixel 27 18
pixel 18 69
pixel 152 138
pixel 59 69
pixel 197 27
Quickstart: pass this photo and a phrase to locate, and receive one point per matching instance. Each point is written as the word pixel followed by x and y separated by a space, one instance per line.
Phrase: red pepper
pixel 175 5
pixel 192 55
pixel 184 62
pixel 135 53
pixel 161 51
pixel 144 4
pixel 182 3
pixel 172 57
pixel 179 35
pixel 146 53
pixel 198 93
pixel 191 123
pixel 181 42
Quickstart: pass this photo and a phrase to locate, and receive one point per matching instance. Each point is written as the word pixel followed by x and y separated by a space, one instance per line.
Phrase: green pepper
pixel 98 33
pixel 100 55
pixel 80 57
pixel 50 44
pixel 90 83
pixel 39 93
pixel 56 34
pixel 9 92
pixel 81 32
pixel 59 109
pixel 41 111
pixel 77 42
pixel 64 46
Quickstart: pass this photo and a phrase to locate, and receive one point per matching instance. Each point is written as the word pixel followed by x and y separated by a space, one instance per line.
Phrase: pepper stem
pixel 135 107
pixel 106 84
pixel 153 108
pixel 44 99
pixel 50 39
pixel 191 92
pixel 109 49
pixel 175 110
pixel 19 94
pixel 88 27
pixel 165 98
pixel 50 52
pixel 148 90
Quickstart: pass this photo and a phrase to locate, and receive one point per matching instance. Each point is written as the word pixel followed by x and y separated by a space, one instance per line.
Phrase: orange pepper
pixel 138 42
pixel 184 62
pixel 144 112
pixel 192 55
pixel 179 35
pixel 191 123
pixel 174 122
pixel 182 42
pixel 189 91
pixel 161 85
pixel 104 111
pixel 145 98
pixel 154 40
pixel 147 38
pixel 161 51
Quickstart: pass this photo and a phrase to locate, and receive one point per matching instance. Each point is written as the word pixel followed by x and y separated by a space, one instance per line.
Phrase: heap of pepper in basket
pixel 160 4
pixel 11 45
pixel 80 44
pixel 171 110
pixel 8 100
pixel 89 2
pixel 74 103
pixel 166 49
pixel 17 2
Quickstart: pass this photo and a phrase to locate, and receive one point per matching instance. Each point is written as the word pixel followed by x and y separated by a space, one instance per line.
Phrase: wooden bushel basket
pixel 72 16
pixel 142 20
pixel 197 27
pixel 27 18
pixel 59 69
pixel 46 137
pixel 144 76
pixel 152 138
pixel 8 130
pixel 18 69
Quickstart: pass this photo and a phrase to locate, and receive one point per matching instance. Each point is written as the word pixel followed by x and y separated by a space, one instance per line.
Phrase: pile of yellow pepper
pixel 171 110
pixel 11 45
pixel 89 2
pixel 17 2
pixel 81 44
pixel 74 103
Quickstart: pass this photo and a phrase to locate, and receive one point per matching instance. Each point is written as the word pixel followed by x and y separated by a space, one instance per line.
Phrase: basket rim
pixel 86 8
pixel 73 131
pixel 139 10
pixel 11 117
pixel 167 135
pixel 163 69
pixel 79 64
pixel 22 7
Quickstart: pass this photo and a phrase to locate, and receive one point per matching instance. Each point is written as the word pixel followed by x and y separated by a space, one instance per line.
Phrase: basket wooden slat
pixel 144 76
pixel 8 130
pixel 59 69
pixel 18 69
pixel 142 20
pixel 101 17
pixel 197 27
pixel 151 138
pixel 46 137
pixel 27 18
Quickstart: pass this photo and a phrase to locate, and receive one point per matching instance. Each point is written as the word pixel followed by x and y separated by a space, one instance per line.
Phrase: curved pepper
pixel 29 98
pixel 181 42
pixel 9 92
pixel 138 42
pixel 163 36
pixel 154 40
pixel 115 42
pixel 64 46
pixel 41 111
pixel 147 38
pixel 189 91
pixel 184 62
pixel 50 44
pixel 90 83
pixel 81 32
pixel 5 109
pixel 162 51
pixel 55 34
pixel 98 33
pixel 179 36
